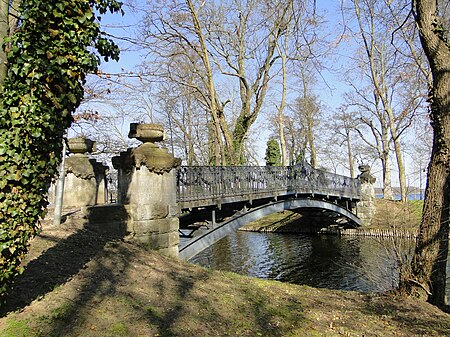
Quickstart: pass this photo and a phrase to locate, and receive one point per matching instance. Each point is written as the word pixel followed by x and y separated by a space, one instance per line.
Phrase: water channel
pixel 345 263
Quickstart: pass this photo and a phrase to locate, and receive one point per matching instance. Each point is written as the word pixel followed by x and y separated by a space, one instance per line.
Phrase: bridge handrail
pixel 218 182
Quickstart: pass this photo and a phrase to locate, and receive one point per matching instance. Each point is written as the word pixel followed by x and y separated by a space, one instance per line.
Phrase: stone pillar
pixel 366 206
pixel 100 171
pixel 147 185
pixel 85 178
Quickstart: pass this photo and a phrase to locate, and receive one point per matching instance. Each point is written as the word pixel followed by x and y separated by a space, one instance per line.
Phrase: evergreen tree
pixel 273 154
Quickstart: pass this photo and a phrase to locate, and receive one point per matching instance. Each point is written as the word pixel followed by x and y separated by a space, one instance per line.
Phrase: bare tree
pixel 179 110
pixel 293 64
pixel 283 52
pixel 373 130
pixel 306 112
pixel 344 125
pixel 232 43
pixel 109 105
pixel 390 99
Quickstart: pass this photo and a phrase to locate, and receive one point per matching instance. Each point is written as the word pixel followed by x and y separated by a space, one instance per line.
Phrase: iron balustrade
pixel 232 183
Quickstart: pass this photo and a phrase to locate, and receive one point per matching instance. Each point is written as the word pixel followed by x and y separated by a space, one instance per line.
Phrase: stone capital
pixel 157 160
pixel 80 146
pixel 80 166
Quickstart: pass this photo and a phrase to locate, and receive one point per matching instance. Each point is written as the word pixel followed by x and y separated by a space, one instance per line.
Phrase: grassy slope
pixel 394 214
pixel 389 215
pixel 79 284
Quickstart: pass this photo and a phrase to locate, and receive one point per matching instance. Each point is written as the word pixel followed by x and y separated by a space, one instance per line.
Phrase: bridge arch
pixel 201 242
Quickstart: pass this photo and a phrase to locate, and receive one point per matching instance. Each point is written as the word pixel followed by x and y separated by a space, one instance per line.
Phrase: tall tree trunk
pixel 280 114
pixel 188 135
pixel 282 138
pixel 257 91
pixel 312 147
pixel 4 31
pixel 350 154
pixel 8 23
pixel 430 257
pixel 398 155
pixel 401 169
pixel 386 164
pixel 387 184
pixel 217 143
pixel 283 55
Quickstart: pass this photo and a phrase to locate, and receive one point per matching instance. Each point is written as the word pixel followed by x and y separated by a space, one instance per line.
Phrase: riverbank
pixel 391 219
pixel 77 283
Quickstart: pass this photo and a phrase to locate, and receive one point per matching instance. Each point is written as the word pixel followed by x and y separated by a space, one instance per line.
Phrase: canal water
pixel 346 263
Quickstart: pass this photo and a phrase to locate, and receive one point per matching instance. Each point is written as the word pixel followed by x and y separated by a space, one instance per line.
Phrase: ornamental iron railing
pixel 237 183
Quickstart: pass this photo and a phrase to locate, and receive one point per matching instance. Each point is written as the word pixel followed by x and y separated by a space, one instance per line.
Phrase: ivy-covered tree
pixel 56 44
pixel 428 268
pixel 273 154
pixel 8 25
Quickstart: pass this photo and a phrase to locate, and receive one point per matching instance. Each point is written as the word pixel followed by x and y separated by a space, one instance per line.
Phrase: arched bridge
pixel 229 197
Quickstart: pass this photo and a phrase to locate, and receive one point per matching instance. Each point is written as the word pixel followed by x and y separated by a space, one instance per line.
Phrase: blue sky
pixel 330 93
pixel 128 26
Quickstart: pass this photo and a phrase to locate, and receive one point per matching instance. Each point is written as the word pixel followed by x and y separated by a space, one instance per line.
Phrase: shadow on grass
pixel 99 282
pixel 176 291
pixel 138 292
pixel 204 304
pixel 418 325
pixel 126 291
pixel 54 267
pixel 382 315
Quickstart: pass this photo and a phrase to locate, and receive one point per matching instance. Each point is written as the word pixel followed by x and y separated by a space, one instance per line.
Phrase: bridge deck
pixel 201 186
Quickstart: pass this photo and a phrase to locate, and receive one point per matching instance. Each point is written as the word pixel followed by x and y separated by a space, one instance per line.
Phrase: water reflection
pixel 346 263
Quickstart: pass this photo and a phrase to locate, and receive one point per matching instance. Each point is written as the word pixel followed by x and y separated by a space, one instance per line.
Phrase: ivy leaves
pixel 58 42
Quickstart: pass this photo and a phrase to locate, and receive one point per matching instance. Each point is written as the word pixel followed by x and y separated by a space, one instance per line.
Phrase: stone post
pixel 80 187
pixel 147 186
pixel 85 181
pixel 100 171
pixel 366 206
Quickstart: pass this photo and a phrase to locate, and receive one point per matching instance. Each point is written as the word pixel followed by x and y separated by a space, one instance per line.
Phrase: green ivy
pixel 58 42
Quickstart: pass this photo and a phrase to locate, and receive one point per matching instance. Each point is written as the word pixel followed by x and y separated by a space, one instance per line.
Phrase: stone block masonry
pixel 366 206
pixel 147 188
pixel 84 178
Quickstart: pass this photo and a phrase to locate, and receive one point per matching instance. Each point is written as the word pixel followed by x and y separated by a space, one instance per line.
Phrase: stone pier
pixel 147 189
pixel 366 206
pixel 85 179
